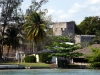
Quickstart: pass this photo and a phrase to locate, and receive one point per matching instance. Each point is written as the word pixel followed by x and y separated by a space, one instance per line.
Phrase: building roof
pixel 87 50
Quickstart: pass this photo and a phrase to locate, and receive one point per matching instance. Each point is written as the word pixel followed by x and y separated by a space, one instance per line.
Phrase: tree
pixel 77 30
pixel 63 49
pixel 90 25
pixel 35 6
pixel 35 28
pixel 97 38
pixel 9 15
pixel 94 58
pixel 12 38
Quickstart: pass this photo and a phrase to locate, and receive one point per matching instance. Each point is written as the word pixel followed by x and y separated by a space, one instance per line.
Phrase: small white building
pixel 19 56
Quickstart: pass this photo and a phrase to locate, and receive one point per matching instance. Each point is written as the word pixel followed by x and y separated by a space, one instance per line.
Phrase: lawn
pixel 36 64
pixel 28 64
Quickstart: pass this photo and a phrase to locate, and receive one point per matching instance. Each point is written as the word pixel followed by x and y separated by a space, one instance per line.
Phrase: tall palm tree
pixel 35 28
pixel 12 38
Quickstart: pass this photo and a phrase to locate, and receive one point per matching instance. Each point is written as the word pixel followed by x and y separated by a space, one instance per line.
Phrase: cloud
pixel 92 2
pixel 75 8
pixel 77 11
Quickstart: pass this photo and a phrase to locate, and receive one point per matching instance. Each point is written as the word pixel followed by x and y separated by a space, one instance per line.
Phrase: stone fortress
pixel 68 29
pixel 64 28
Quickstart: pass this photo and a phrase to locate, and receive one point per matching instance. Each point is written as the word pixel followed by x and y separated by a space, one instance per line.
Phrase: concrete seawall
pixel 12 67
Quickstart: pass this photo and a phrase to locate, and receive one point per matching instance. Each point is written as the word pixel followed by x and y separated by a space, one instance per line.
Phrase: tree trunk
pixel 8 51
pixel 1 51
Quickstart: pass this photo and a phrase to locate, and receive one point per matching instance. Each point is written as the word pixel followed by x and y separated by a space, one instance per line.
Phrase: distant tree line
pixel 89 26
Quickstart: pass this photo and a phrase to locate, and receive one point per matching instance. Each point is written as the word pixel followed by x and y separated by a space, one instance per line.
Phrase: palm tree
pixel 35 28
pixel 9 13
pixel 12 38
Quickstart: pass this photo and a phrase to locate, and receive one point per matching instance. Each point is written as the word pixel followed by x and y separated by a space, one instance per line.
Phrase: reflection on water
pixel 50 72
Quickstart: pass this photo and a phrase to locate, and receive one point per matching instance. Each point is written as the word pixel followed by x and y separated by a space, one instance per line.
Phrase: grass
pixel 36 64
pixel 28 64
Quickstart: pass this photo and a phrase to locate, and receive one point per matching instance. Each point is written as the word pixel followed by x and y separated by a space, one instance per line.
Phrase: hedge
pixel 30 59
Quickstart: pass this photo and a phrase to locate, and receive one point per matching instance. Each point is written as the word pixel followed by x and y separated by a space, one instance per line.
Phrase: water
pixel 50 72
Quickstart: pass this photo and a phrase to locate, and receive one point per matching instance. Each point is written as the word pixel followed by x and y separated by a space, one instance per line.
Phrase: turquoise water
pixel 50 72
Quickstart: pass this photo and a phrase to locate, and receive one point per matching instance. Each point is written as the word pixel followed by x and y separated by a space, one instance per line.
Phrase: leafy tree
pixel 50 39
pixel 97 38
pixel 90 25
pixel 10 13
pixel 94 58
pixel 35 6
pixel 63 49
pixel 77 30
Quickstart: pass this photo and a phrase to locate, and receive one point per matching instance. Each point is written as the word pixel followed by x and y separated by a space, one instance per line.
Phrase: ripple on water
pixel 50 72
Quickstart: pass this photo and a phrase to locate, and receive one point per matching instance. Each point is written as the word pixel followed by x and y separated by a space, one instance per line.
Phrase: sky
pixel 69 10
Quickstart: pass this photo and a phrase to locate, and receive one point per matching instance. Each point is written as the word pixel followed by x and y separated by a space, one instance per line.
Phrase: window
pixel 61 29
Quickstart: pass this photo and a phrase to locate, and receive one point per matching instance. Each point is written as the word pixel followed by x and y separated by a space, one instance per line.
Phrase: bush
pixel 44 57
pixel 94 58
pixel 95 65
pixel 30 59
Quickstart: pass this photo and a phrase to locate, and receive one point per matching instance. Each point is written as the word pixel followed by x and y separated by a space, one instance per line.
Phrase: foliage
pixel 35 6
pixel 94 58
pixel 95 65
pixel 97 38
pixel 45 58
pixel 34 27
pixel 36 12
pixel 11 14
pixel 63 49
pixel 90 25
pixel 77 30
pixel 12 38
pixel 50 39
pixel 30 59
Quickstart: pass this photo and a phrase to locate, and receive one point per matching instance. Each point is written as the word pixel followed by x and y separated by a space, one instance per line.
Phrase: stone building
pixel 68 29
pixel 64 29
pixel 84 39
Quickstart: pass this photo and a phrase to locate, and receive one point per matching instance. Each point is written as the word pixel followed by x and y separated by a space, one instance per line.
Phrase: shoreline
pixel 17 66
pixel 23 67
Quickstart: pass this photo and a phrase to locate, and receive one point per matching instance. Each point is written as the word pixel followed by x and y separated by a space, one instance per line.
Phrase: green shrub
pixel 94 58
pixel 45 58
pixel 95 65
pixel 30 59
